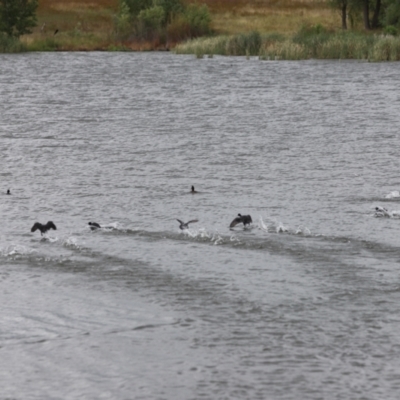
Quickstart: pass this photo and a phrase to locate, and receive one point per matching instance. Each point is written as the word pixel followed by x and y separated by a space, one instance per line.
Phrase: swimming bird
pixel 184 225
pixel 94 225
pixel 245 219
pixel 8 191
pixel 381 212
pixel 43 228
pixel 193 191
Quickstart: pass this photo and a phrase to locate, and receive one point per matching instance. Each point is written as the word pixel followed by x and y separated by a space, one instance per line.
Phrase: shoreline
pixel 307 30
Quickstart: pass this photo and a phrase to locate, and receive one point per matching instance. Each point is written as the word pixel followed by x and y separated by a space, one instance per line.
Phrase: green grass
pixel 69 41
pixel 11 44
pixel 323 45
pixel 89 25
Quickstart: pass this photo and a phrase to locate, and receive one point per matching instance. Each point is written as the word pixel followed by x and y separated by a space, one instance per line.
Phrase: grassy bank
pixel 73 25
pixel 89 25
pixel 270 16
pixel 303 45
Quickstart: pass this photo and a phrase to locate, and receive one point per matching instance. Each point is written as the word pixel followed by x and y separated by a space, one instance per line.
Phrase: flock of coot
pixel 240 219
pixel 43 228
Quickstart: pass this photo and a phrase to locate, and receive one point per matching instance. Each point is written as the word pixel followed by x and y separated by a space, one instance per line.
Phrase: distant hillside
pixel 283 16
pixel 88 25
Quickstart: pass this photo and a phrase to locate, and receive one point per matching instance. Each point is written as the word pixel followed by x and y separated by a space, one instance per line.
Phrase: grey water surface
pixel 304 304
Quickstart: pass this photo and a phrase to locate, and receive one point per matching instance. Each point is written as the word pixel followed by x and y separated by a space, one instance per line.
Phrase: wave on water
pixel 72 242
pixel 393 195
pixel 268 235
pixel 111 227
pixel 17 251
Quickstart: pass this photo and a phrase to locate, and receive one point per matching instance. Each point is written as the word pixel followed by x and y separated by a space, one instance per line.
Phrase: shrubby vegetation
pixel 17 17
pixel 159 24
pixel 162 21
pixel 10 44
pixel 309 42
pixel 375 14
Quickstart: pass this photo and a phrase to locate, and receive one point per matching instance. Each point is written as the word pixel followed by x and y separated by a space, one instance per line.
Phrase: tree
pixel 17 17
pixel 136 6
pixel 349 8
pixel 343 7
pixel 366 7
pixel 365 13
pixel 391 15
pixel 375 18
pixel 170 7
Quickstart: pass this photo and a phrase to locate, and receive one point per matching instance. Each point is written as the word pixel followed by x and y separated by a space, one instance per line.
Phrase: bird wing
pixel 192 221
pixel 35 226
pixel 51 225
pixel 234 222
pixel 182 223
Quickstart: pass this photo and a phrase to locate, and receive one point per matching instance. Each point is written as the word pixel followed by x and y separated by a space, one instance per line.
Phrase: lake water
pixel 304 304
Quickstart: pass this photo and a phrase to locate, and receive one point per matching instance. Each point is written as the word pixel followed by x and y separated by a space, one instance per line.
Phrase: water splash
pixel 233 238
pixel 71 242
pixel 393 195
pixel 217 239
pixel 280 228
pixel 302 230
pixel 262 225
pixel 16 250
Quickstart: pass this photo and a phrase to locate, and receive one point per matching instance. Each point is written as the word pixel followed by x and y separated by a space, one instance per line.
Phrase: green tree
pixel 136 6
pixel 198 18
pixel 391 16
pixel 342 6
pixel 123 20
pixel 17 17
pixel 364 8
pixel 170 7
pixel 150 22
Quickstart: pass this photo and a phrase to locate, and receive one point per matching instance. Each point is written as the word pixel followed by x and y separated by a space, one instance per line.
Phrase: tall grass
pixel 303 45
pixel 284 16
pixel 73 40
pixel 237 45
pixel 11 44
pixel 81 25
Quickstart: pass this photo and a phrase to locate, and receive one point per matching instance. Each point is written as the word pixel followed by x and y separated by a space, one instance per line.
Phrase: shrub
pixel 171 9
pixel 391 15
pixel 136 6
pixel 17 17
pixel 10 44
pixel 208 45
pixel 150 23
pixel 198 18
pixel 152 18
pixel 312 38
pixel 195 21
pixel 47 44
pixel 345 45
pixel 390 30
pixel 386 49
pixel 244 44
pixel 123 20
